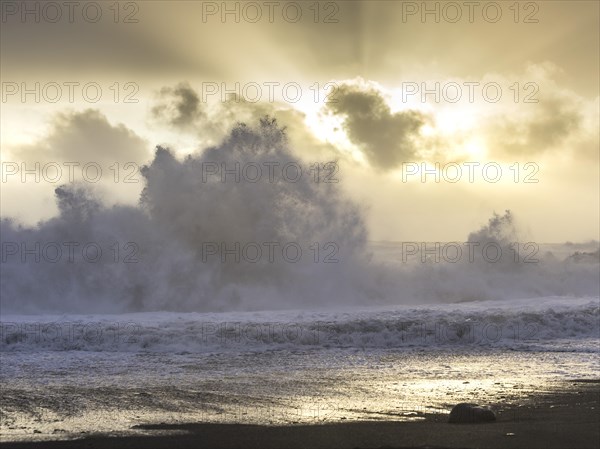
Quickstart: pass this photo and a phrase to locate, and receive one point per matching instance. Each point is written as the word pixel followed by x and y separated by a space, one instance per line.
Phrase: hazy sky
pixel 109 81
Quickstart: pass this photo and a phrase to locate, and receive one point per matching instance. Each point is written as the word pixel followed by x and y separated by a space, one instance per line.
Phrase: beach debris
pixel 471 413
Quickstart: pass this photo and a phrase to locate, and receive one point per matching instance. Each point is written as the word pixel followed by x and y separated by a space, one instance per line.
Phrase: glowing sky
pixel 169 57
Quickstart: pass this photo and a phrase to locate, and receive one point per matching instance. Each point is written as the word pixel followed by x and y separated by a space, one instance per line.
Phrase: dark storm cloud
pixel 387 138
pixel 178 106
pixel 85 136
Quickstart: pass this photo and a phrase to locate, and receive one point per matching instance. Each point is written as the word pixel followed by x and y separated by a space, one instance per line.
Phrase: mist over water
pixel 176 250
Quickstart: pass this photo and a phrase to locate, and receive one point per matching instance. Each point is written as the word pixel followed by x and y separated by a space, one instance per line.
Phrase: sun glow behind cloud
pixel 326 127
pixel 456 126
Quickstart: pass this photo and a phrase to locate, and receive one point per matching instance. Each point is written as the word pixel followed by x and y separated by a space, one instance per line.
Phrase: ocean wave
pixel 546 323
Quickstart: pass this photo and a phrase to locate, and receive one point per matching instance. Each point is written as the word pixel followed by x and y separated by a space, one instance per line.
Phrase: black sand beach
pixel 566 418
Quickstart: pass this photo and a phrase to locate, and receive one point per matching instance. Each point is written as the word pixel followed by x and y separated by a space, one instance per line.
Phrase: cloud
pixel 557 120
pixel 387 138
pixel 547 127
pixel 546 119
pixel 83 137
pixel 79 147
pixel 178 106
pixel 179 109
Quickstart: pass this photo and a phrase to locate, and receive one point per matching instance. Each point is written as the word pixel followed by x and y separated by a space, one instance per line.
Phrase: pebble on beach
pixel 471 413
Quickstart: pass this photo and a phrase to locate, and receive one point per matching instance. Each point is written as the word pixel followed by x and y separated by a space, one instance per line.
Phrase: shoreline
pixel 566 417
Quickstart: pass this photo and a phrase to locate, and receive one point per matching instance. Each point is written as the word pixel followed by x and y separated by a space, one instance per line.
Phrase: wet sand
pixel 566 418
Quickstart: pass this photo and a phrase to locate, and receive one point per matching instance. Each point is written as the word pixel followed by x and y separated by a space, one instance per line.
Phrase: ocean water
pixel 151 328
pixel 67 376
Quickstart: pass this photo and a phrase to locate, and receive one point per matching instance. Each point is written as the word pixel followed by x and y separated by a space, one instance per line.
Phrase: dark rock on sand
pixel 470 413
